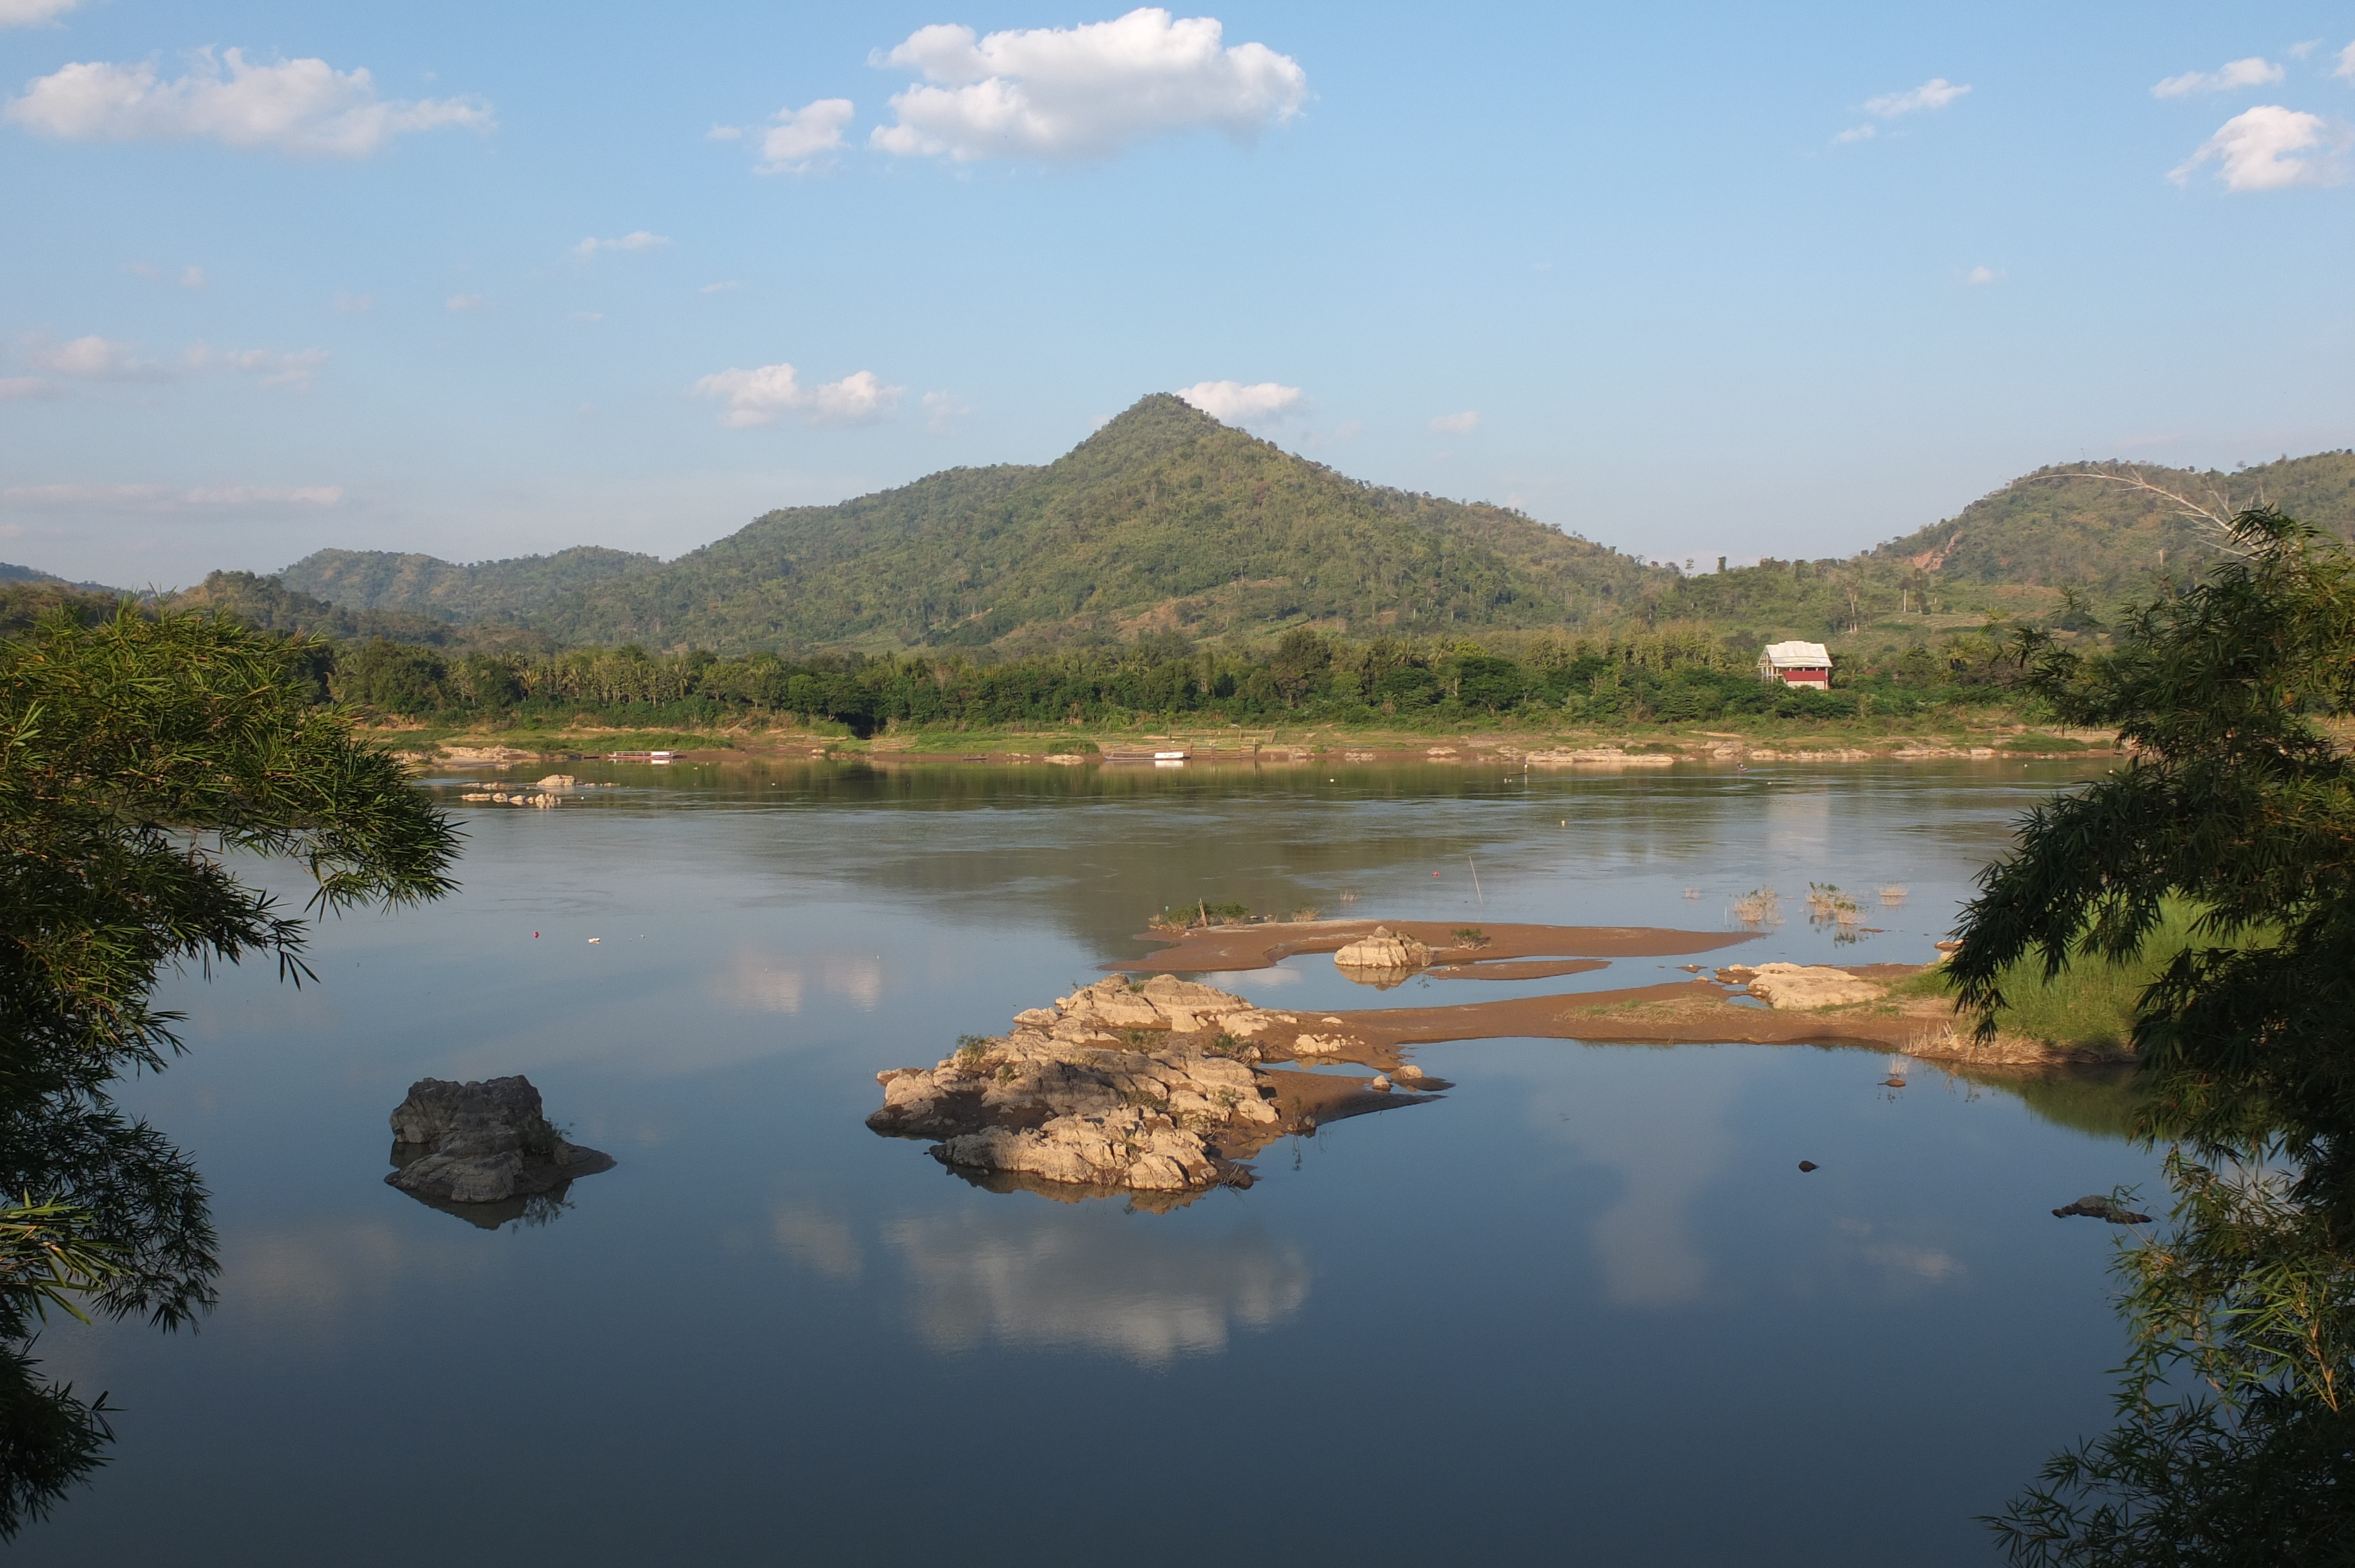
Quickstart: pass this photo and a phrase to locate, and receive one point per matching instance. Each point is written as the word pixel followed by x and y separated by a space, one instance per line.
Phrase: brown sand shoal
pixel 1211 948
pixel 1696 1013
pixel 1522 968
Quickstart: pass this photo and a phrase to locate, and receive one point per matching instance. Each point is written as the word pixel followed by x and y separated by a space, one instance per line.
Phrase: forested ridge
pixel 1164 519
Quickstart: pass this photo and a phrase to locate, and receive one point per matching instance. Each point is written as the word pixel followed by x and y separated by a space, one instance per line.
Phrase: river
pixel 1583 1308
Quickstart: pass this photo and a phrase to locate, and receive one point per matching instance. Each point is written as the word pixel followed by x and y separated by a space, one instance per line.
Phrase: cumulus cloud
pixel 1856 133
pixel 33 12
pixel 2254 71
pixel 637 239
pixel 798 137
pixel 1982 275
pixel 1232 403
pixel 1935 93
pixel 2270 148
pixel 94 358
pixel 305 107
pixel 162 498
pixel 772 392
pixel 2346 64
pixel 1088 91
pixel 1462 424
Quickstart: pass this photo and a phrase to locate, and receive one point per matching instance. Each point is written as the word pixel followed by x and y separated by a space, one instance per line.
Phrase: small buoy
pixel 534 936
pixel 1806 1165
pixel 1434 873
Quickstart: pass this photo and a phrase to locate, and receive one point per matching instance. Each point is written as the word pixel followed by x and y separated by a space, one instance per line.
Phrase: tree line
pixel 1303 676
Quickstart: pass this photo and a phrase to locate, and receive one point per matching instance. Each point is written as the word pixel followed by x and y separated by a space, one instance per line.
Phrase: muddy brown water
pixel 1583 1306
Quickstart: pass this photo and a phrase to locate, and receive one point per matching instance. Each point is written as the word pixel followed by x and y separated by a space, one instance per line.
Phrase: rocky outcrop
pixel 1149 1088
pixel 1805 985
pixel 1380 954
pixel 482 1143
pixel 2093 1206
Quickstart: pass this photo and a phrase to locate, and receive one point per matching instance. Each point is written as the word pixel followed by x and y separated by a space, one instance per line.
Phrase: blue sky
pixel 1690 279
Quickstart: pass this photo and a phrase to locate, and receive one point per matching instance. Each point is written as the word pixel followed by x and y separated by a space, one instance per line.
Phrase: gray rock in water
pixel 2093 1206
pixel 482 1143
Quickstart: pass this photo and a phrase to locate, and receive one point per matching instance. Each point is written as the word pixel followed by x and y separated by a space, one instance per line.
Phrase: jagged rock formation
pixel 482 1143
pixel 1150 1089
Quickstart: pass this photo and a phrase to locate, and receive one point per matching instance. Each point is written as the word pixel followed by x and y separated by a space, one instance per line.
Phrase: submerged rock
pixel 483 1142
pixel 2093 1206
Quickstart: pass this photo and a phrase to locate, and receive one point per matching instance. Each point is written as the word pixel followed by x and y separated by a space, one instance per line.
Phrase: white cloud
pixel 723 133
pixel 589 318
pixel 719 287
pixel 1856 133
pixel 762 396
pixel 798 136
pixel 161 498
pixel 1232 403
pixel 355 304
pixel 1089 91
pixel 2254 71
pixel 466 302
pixel 14 388
pixel 1462 424
pixel 943 410
pixel 1982 275
pixel 189 278
pixel 637 239
pixel 2270 148
pixel 1935 93
pixel 304 107
pixel 33 12
pixel 276 369
pixel 94 358
pixel 2346 64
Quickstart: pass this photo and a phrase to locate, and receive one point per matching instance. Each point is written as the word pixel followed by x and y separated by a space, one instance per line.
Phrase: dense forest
pixel 506 590
pixel 1163 520
pixel 1302 677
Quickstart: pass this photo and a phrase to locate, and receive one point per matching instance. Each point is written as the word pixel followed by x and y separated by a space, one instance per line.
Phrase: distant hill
pixel 2051 531
pixel 1164 519
pixel 9 574
pixel 269 605
pixel 1168 521
pixel 488 590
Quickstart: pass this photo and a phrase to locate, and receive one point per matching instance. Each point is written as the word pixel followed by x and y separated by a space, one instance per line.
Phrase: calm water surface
pixel 1584 1308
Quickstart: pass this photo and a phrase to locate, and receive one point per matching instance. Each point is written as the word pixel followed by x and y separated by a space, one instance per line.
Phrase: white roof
pixel 1798 656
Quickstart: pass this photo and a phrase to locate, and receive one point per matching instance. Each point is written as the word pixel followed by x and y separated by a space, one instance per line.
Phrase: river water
pixel 1583 1309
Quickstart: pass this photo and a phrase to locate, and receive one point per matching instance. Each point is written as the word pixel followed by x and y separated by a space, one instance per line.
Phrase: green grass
pixel 2091 1002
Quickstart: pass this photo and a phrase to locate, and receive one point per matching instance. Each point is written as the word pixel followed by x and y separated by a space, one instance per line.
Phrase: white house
pixel 1796 664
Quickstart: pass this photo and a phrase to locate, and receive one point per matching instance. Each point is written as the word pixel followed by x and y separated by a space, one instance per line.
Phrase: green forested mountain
pixel 1168 521
pixel 267 604
pixel 1164 519
pixel 2052 531
pixel 486 591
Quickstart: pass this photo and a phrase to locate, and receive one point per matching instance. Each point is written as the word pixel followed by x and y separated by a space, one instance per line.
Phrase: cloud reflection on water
pixel 1666 1152
pixel 761 984
pixel 1092 1278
